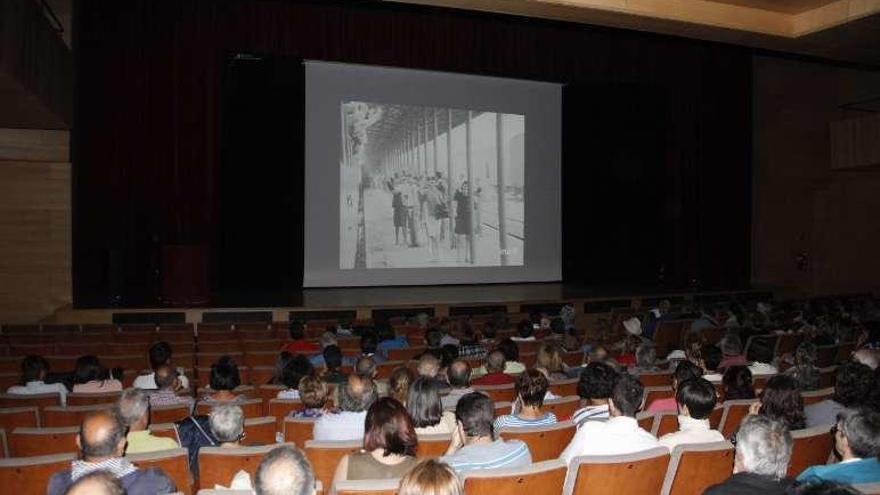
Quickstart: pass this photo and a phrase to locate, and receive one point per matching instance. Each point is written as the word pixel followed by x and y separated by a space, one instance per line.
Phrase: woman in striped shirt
pixel 531 387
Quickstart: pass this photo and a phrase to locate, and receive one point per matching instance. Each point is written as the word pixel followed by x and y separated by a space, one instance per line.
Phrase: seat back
pixel 92 399
pixel 366 487
pixel 281 408
pixel 168 414
pixel 503 408
pixel 259 431
pixel 325 456
pixel 252 408
pixel 173 462
pixel 812 446
pixel 540 478
pixel 269 392
pixel 14 417
pixel 27 442
pixel 564 388
pixel 646 421
pixel 298 431
pixel 217 465
pixel 656 379
pixel 167 430
pixel 261 358
pixel 405 354
pixel 545 442
pixel 695 467
pixel 433 445
pixel 817 395
pixel 655 393
pixel 31 474
pixel 665 422
pixel 715 416
pixel 734 412
pixel 40 401
pixel 826 355
pixel 642 472
pixel 57 416
pixel 563 407
pixel 498 393
pixel 827 376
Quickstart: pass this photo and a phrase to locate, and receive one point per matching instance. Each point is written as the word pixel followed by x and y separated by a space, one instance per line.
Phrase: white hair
pixel 227 422
pixel 133 405
pixel 763 446
pixel 285 470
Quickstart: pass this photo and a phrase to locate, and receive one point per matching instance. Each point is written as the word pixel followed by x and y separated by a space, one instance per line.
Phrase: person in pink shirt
pixel 685 371
pixel 90 377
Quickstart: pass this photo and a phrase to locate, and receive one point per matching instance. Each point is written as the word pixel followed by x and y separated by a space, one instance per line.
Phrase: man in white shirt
pixel 348 424
pixel 33 371
pixel 160 355
pixel 696 400
pixel 621 433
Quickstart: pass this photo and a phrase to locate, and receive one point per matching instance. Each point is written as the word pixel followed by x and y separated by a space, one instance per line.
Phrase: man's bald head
pixel 102 435
pixel 358 394
pixel 96 483
pixel 868 357
pixel 166 378
pixel 285 470
pixel 459 374
pixel 495 362
pixel 429 365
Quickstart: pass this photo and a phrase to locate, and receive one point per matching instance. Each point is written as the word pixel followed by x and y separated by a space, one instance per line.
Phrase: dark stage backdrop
pixel 656 170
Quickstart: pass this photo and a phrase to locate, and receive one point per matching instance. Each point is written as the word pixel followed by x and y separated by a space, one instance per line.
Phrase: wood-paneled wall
pixel 34 224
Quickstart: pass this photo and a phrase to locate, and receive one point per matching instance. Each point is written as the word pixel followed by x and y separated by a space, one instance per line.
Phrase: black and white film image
pixel 425 187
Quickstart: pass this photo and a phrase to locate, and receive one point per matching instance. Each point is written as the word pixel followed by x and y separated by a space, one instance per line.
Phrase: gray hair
pixel 730 345
pixel 284 471
pixel 327 339
pixel 646 355
pixel 133 405
pixel 227 422
pixel 763 446
pixel 357 398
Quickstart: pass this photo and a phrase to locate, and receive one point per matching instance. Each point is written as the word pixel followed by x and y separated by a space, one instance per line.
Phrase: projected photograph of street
pixel 428 187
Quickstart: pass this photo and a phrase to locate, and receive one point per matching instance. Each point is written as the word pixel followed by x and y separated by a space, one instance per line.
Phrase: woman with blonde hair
pixel 430 477
pixel 549 362
pixel 399 382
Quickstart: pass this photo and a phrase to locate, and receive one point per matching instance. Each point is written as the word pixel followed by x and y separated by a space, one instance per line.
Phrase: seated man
pixel 429 366
pixel 853 383
pixel 857 439
pixel 369 346
pixel 285 471
pixel 96 483
pixel 33 373
pixel 134 409
pixel 298 343
pixel 355 397
pixel 594 387
pixel 621 434
pixel 494 371
pixel 696 400
pixel 711 360
pixel 160 355
pixel 227 424
pixel 388 339
pixel 459 377
pixel 102 442
pixel 167 381
pixel 525 330
pixel 473 443
pixel 763 450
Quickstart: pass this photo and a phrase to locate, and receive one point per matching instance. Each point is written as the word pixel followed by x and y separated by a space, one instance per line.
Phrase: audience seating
pixel 545 442
pixel 4 445
pixel 564 407
pixel 366 487
pixel 31 474
pixel 14 417
pixel 827 376
pixel 760 381
pixel 252 408
pixel 281 408
pixel 715 417
pixel 573 358
pixel 93 398
pixel 261 375
pixel 167 430
pixel 788 343
pixel 734 412
pixel 40 401
pixel 540 478
pixel 259 431
pixel 298 431
pixel 10 364
pixel 646 420
pixel 826 355
pixel 817 395
pixel 665 422
pixel 844 351
pixel 503 408
pixel 9 379
pixel 564 388
pixel 384 370
pixel 812 446
pixel 656 379
pixel 325 456
pixel 642 472
pixel 169 414
pixel 654 393
pixel 173 462
pixel 27 442
pixel 667 336
pixel 261 358
pixel 268 393
pixel 406 353
pixel 498 393
pixel 217 465
pixel 57 416
pixel 695 467
pixel 433 445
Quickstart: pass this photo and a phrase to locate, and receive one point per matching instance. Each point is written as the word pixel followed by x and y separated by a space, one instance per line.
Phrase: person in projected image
pixel 399 208
pixel 433 212
pixel 463 227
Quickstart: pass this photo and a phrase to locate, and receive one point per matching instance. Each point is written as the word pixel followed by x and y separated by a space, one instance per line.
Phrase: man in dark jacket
pixel 763 449
pixel 102 442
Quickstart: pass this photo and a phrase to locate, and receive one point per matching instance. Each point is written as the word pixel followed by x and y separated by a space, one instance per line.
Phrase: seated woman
pixel 33 373
pixel 737 383
pixel 223 382
pixel 426 410
pixel 549 361
pixel 389 445
pixel 90 377
pixel 782 400
pixel 284 357
pixel 684 371
pixel 531 387
pixel 333 360
pixel 431 477
pixel 313 393
pixel 298 367
pixel 399 382
pixel 804 371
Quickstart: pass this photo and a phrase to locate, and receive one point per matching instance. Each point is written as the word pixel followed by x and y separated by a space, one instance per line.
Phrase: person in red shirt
pixel 495 374
pixel 298 343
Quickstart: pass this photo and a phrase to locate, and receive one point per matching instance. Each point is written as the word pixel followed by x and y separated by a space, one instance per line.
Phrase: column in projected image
pixel 411 197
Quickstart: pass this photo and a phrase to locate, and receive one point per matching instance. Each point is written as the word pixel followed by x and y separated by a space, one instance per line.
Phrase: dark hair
pixel 525 329
pixel 489 330
pixel 399 382
pixel 861 427
pixel 597 381
pixel 818 486
pixel 33 368
pixel 458 374
pixel 760 349
pixel 449 353
pixel 224 374
pixel 698 395
pixel 110 484
pixel 737 383
pixel 369 343
pixel 297 330
pixel 88 369
pixel 853 384
pixel 389 427
pixel 557 326
pixel 160 353
pixel 433 338
pixel 627 394
pixel 510 350
pixel 332 357
pixel 712 356
pixel 476 412
pixel 782 400
pixel 298 367
pixel 531 387
pixel 384 331
pixel 423 402
pixel 684 371
pixel 107 444
pixel 495 362
pixel 284 357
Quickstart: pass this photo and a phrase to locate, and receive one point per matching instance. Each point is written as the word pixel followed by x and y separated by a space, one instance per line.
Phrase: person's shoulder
pixel 153 479
pixel 59 482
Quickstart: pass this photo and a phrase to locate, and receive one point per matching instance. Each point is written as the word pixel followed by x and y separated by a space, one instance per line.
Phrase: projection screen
pixel 420 178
